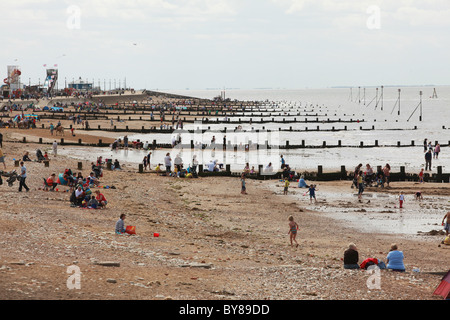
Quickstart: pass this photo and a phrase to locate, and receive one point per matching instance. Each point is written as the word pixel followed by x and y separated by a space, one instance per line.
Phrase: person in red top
pixel 52 182
pixel 101 199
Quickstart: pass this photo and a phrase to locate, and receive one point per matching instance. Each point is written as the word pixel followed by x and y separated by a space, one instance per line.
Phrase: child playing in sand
pixel 419 195
pixel 360 183
pixel 243 188
pixel 401 199
pixel 286 186
pixel 293 227
pixel 312 193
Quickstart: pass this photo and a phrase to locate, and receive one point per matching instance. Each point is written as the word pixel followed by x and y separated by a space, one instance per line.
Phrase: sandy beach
pixel 213 244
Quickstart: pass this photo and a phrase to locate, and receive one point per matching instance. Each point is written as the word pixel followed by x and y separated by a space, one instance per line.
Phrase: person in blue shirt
pixel 395 258
pixel 302 183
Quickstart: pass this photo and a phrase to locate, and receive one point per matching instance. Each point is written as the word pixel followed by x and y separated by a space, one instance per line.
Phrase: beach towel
pixel 368 262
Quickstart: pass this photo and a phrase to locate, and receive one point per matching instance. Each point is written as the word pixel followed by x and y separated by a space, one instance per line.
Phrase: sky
pixel 247 44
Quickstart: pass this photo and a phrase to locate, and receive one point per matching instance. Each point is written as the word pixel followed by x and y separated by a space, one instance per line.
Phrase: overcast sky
pixel 198 44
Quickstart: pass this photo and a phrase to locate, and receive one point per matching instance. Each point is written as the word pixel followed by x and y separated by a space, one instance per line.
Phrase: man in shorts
pixel 447 223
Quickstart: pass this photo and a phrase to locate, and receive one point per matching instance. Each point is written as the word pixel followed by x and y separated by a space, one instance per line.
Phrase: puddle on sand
pixel 378 213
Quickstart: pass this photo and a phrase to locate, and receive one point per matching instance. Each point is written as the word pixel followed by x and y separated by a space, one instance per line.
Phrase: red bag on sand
pixel 130 230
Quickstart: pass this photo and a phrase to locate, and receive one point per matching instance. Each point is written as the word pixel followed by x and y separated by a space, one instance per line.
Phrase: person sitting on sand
pixel 395 258
pixel 269 168
pixel 93 180
pixel 120 225
pixel 101 199
pixel 302 182
pixel 93 203
pixel 52 182
pixel 26 156
pixel 79 196
pixel 117 165
pixel 351 257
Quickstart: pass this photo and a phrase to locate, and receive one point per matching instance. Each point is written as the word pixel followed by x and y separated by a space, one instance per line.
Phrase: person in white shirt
pixel 269 168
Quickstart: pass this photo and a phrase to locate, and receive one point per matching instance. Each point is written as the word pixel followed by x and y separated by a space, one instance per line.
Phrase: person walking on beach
pixel 425 145
pixel 125 142
pixel 168 163
pixel 55 148
pixel 401 199
pixel 23 177
pixel 286 186
pixel 312 193
pixel 447 223
pixel 283 163
pixel 437 150
pixel 243 188
pixel 360 183
pixel 386 173
pixel 428 157
pixel 293 228
pixel 1 140
pixel 2 158
pixel 356 174
pixel 52 128
pixel 148 161
pixel 144 162
pixel 421 174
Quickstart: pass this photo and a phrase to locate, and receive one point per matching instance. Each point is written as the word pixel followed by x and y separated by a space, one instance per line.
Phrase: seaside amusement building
pixel 81 85
pixel 11 84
